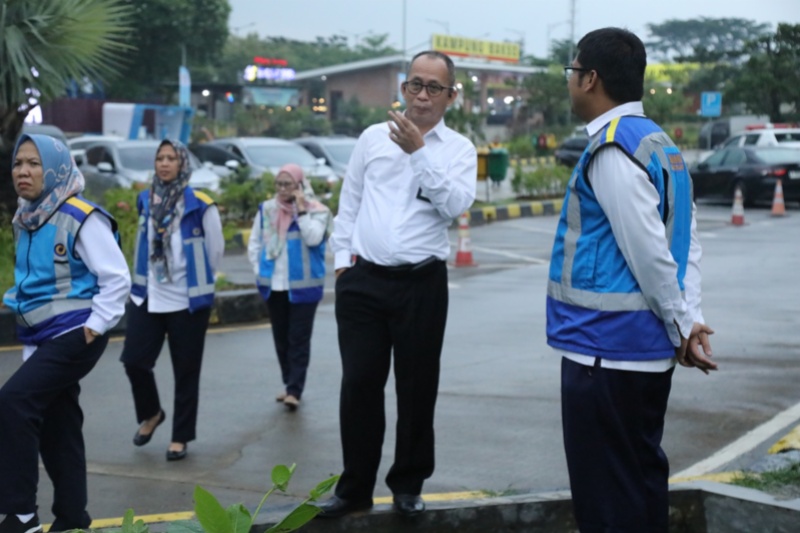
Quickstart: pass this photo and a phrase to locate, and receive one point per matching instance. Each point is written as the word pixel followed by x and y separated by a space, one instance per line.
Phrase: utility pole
pixel 404 37
pixel 571 45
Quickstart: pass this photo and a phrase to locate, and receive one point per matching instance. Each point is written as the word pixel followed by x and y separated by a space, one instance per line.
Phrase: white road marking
pixel 530 229
pixel 744 444
pixel 504 253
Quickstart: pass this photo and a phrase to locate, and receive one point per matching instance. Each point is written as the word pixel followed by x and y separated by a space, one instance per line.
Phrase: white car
pixel 784 137
pixel 268 154
pixel 334 150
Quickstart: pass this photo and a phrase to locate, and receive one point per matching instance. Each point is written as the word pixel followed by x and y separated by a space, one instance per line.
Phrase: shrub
pixel 541 182
pixel 6 258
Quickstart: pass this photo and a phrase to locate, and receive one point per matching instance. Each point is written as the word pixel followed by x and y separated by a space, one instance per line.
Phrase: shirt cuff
pixel 342 259
pixel 95 323
pixel 685 323
pixel 419 159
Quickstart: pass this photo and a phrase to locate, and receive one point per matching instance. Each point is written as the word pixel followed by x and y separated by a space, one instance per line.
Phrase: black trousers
pixel 378 313
pixel 292 325
pixel 40 413
pixel 186 335
pixel 613 421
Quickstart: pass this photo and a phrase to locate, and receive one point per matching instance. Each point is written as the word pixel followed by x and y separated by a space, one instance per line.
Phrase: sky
pixel 533 21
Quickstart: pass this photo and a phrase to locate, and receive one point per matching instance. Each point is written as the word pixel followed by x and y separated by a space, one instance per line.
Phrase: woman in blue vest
pixel 71 283
pixel 287 251
pixel 179 246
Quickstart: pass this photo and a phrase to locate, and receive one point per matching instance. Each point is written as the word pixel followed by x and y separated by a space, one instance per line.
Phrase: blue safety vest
pixel 306 264
pixel 53 286
pixel 199 276
pixel 594 304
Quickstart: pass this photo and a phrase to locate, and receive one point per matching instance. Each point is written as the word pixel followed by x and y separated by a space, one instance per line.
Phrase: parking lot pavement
pixel 498 415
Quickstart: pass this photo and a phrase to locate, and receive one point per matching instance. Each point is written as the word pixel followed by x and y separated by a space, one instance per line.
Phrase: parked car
pixel 754 169
pixel 334 150
pixel 45 129
pixel 785 137
pixel 267 154
pixel 218 159
pixel 113 162
pixel 570 150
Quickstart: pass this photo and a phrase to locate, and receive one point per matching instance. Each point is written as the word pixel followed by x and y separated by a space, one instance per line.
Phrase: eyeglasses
pixel 568 70
pixel 434 89
pixel 284 185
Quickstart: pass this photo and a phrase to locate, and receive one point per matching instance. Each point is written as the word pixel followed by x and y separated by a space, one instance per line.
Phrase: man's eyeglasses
pixel 568 70
pixel 284 185
pixel 434 89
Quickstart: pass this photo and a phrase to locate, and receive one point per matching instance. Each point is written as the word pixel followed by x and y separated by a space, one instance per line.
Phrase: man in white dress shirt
pixel 407 180
pixel 623 300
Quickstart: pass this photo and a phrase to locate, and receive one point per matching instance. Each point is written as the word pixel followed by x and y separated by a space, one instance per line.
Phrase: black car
pixel 570 150
pixel 755 170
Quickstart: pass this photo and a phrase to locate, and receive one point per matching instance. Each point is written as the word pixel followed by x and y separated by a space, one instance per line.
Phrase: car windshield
pixel 340 152
pixel 277 156
pixel 779 156
pixel 138 157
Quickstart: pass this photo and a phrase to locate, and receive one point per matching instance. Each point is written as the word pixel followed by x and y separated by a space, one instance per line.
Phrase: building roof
pixel 460 63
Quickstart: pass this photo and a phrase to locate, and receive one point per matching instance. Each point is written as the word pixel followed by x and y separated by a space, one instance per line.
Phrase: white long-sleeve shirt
pixel 394 207
pixel 630 202
pixel 98 249
pixel 312 231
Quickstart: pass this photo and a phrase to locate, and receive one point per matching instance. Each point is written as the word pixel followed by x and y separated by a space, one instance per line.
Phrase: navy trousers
pixel 613 421
pixel 186 334
pixel 292 325
pixel 381 313
pixel 40 413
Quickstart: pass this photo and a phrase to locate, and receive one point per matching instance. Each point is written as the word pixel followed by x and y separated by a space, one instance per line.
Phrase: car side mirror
pixel 105 166
pixel 702 166
pixel 321 161
pixel 232 164
pixel 208 164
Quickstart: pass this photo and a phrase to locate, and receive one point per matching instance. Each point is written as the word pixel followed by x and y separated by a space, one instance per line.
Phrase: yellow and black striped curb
pixel 492 213
pixel 790 441
pixel 477 216
pixel 525 161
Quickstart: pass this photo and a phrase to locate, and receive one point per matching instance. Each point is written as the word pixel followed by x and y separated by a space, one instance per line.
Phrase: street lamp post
pixel 443 23
pixel 550 28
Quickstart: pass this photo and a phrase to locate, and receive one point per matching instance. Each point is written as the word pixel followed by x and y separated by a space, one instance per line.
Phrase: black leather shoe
pixel 335 507
pixel 408 504
pixel 178 455
pixel 141 440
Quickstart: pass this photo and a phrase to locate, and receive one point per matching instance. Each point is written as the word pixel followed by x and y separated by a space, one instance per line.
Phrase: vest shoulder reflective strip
pixel 203 197
pixel 80 204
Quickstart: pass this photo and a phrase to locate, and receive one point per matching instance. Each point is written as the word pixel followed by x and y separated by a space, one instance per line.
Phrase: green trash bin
pixel 497 164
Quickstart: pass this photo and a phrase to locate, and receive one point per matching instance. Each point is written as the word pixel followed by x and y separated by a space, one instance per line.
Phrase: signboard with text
pixel 463 47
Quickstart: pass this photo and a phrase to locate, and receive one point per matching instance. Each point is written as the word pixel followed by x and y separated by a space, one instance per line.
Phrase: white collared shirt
pixel 630 202
pixel 395 208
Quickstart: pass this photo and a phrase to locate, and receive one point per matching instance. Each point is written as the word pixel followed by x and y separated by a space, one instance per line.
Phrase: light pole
pixel 550 28
pixel 521 34
pixel 443 23
pixel 237 28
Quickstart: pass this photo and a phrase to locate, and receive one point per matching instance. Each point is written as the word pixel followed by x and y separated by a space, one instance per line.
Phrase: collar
pixel 440 130
pixel 629 108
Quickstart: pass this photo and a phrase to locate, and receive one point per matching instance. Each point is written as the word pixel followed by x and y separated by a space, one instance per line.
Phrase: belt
pixel 399 271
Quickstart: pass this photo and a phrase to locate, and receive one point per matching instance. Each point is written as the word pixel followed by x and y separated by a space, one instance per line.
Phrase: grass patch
pixel 784 483
pixel 477 204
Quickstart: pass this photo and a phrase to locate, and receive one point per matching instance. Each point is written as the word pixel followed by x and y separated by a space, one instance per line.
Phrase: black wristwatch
pixel 301 213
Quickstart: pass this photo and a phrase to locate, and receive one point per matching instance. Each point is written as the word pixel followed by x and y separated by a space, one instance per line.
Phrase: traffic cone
pixel 737 218
pixel 464 253
pixel 778 207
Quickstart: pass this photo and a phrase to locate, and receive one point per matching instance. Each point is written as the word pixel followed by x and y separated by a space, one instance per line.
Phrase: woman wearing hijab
pixel 179 246
pixel 287 251
pixel 71 283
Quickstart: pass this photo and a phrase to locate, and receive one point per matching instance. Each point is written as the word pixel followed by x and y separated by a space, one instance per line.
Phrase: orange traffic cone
pixel 737 217
pixel 464 253
pixel 778 207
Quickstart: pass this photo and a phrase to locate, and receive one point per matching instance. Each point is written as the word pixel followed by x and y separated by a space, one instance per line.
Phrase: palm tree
pixel 44 44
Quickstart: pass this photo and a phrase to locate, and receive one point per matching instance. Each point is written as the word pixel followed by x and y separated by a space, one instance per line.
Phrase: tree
pixel 770 76
pixel 547 94
pixel 703 40
pixel 44 44
pixel 163 29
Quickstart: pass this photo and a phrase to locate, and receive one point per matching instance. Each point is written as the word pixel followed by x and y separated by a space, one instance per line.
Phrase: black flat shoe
pixel 336 507
pixel 409 504
pixel 141 440
pixel 177 456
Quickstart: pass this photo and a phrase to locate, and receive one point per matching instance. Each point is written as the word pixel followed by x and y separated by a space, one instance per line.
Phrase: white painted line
pixel 504 253
pixel 529 229
pixel 744 444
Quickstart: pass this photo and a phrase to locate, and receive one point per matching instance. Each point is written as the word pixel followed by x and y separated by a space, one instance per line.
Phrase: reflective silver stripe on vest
pixel 139 279
pixel 654 144
pixel 51 309
pixel 264 281
pixel 571 235
pixel 203 287
pixel 611 301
